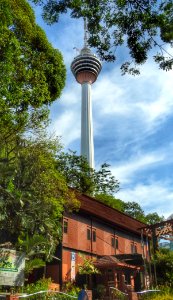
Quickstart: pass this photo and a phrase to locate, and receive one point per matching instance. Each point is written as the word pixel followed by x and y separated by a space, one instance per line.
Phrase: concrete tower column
pixel 87 140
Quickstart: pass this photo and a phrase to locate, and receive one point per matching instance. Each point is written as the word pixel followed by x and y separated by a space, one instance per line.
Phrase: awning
pixel 109 261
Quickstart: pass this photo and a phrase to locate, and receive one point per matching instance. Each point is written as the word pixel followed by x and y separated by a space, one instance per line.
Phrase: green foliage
pixel 165 293
pixel 40 285
pixel 111 201
pixel 32 73
pixel 153 218
pixel 99 292
pixel 87 266
pixel 70 288
pixel 117 294
pixel 33 263
pixel 36 249
pixel 164 267
pixel 81 177
pixel 140 25
pixel 134 210
pixel 33 196
pixel 43 285
pixel 32 193
pixel 163 297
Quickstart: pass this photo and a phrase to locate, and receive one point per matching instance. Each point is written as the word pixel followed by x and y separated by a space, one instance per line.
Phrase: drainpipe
pixel 91 237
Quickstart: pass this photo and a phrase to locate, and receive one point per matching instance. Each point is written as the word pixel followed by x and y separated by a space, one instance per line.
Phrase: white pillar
pixel 87 143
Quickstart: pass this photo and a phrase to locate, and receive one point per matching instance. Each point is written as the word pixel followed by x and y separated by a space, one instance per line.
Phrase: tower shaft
pixel 86 67
pixel 87 143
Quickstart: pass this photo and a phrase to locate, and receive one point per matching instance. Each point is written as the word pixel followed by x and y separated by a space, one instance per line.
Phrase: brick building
pixel 112 238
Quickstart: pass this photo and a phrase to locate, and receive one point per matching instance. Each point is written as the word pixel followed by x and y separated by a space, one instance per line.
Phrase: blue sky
pixel 132 116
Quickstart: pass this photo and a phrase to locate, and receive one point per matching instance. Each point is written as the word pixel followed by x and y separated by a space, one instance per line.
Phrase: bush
pixel 99 292
pixel 165 293
pixel 71 288
pixel 40 285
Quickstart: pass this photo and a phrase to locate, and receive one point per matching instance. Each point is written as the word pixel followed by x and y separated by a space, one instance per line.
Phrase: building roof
pixel 111 261
pixel 108 214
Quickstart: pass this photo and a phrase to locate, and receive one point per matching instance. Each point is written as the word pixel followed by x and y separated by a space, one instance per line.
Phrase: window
pixel 65 226
pixel 88 234
pixel 114 242
pixel 94 235
pixel 133 248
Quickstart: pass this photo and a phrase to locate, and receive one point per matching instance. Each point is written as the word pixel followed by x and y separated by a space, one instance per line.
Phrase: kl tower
pixel 85 68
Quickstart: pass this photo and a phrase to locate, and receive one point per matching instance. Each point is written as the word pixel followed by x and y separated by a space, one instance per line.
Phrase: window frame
pixel 65 226
pixel 88 234
pixel 94 235
pixel 114 242
pixel 134 248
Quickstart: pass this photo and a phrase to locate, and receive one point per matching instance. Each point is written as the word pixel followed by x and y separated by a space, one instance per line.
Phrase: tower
pixel 86 67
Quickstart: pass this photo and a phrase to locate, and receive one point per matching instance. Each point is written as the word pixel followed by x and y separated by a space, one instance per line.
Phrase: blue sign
pixel 73 256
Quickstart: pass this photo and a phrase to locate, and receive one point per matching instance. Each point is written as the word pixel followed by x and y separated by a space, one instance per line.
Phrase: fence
pixel 41 295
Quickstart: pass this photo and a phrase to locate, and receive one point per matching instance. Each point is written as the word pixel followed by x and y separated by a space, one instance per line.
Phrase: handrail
pixel 111 287
pixel 148 291
pixel 40 292
pixel 47 291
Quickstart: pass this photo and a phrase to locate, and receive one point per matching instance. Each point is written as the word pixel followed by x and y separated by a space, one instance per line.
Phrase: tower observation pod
pixel 86 67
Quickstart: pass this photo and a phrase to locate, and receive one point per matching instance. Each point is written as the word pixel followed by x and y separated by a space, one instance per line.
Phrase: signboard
pixel 73 261
pixel 164 230
pixel 12 264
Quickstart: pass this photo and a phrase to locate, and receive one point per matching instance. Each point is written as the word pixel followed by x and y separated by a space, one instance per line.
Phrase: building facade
pixel 115 243
pixel 111 238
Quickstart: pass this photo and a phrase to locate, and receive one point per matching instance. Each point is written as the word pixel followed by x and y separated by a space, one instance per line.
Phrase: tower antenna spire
pixel 85 33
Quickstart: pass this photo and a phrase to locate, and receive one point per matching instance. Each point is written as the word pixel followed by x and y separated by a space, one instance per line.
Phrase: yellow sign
pixel 167 228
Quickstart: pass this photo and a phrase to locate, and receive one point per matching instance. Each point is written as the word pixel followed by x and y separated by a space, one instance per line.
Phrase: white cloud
pixel 154 197
pixel 127 170
pixel 67 127
pixel 67 37
pixel 149 95
pixel 141 161
pixel 161 105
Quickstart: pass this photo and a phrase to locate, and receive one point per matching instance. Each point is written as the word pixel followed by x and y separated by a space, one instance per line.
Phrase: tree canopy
pixel 100 184
pixel 163 260
pixel 80 176
pixel 140 25
pixel 33 196
pixel 32 72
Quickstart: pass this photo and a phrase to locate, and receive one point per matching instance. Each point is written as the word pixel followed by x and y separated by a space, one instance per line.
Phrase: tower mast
pixel 86 67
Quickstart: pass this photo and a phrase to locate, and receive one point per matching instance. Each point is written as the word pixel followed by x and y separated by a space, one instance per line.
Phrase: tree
pixel 153 218
pixel 141 25
pixel 87 267
pixel 134 210
pixel 81 177
pixel 33 196
pixel 101 184
pixel 164 267
pixel 32 72
pixel 111 201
